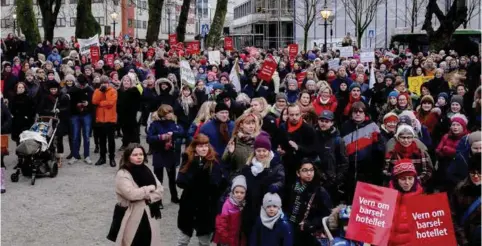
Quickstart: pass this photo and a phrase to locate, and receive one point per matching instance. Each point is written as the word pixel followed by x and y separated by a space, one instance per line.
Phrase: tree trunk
pixel 305 41
pixel 49 16
pixel 359 32
pixel 181 26
pixel 154 23
pixel 86 25
pixel 440 39
pixel 217 25
pixel 28 23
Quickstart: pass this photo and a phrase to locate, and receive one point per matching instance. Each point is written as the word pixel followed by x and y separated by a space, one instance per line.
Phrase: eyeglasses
pixel 474 172
pixel 306 170
pixel 359 112
pixel 406 137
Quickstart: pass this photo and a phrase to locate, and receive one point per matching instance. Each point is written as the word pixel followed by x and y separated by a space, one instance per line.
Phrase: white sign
pixel 346 51
pixel 367 56
pixel 334 64
pixel 371 33
pixel 84 44
pixel 187 76
pixel 214 57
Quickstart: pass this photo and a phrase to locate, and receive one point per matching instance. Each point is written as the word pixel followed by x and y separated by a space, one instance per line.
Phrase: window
pixel 4 3
pixel 72 21
pixel 144 24
pixel 73 1
pixel 100 20
pixel 6 23
pixel 39 22
pixel 129 23
pixel 139 24
pixel 60 22
pixel 144 4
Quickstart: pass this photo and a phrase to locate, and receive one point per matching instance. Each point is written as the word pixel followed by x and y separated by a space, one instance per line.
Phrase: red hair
pixel 191 152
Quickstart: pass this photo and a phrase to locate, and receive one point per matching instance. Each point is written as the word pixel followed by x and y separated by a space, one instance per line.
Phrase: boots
pixel 59 157
pixel 2 180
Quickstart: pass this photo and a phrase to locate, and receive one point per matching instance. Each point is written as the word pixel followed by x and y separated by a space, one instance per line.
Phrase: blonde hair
pixel 206 112
pixel 264 104
pixel 247 117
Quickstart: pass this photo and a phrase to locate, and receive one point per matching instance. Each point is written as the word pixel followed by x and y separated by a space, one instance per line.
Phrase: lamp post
pixel 114 17
pixel 330 19
pixel 325 14
pixel 14 24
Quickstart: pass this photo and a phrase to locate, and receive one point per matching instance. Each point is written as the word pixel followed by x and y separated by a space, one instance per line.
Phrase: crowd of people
pixel 265 164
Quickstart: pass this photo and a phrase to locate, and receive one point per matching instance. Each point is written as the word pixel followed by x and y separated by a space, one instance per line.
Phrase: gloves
pixel 103 88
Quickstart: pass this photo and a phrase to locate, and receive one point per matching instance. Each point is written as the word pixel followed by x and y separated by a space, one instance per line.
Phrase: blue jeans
pixel 78 122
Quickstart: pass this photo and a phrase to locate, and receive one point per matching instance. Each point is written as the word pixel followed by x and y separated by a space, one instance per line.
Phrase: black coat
pixel 23 110
pixel 201 191
pixel 47 104
pixel 79 95
pixel 6 118
pixel 128 103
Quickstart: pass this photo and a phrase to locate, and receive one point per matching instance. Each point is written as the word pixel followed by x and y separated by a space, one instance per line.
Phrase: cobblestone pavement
pixel 75 208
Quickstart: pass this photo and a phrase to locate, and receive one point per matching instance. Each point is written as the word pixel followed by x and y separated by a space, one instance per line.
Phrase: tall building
pixel 263 23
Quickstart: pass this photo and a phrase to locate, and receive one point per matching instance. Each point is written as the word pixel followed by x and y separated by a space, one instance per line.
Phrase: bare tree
pixel 449 22
pixel 472 11
pixel 414 9
pixel 307 11
pixel 361 13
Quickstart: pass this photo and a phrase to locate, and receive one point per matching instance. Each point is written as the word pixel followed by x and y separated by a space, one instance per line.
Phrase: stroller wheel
pixel 14 177
pixel 54 171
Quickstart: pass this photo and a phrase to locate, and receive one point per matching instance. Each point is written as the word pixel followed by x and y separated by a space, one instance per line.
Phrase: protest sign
pixel 214 57
pixel 346 51
pixel 228 43
pixel 372 214
pixel 172 39
pixel 334 64
pixel 85 44
pixel 94 54
pixel 109 60
pixel 430 220
pixel 367 57
pixel 300 77
pixel 193 48
pixel 187 76
pixel 234 76
pixel 268 69
pixel 415 82
pixel 293 50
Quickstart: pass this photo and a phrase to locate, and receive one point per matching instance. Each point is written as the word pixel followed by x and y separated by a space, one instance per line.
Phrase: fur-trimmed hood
pixel 157 85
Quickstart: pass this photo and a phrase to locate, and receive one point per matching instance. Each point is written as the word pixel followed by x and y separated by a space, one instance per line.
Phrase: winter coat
pixel 252 92
pixel 319 208
pixel 184 119
pixel 280 235
pixel 201 191
pixel 336 83
pixel 63 105
pixel 228 226
pixel 237 160
pixel 333 158
pixel 429 120
pixel 459 167
pixel 54 57
pixel 331 105
pixel 9 81
pixel 133 197
pixel 22 108
pixel 292 96
pixel 468 232
pixel 436 86
pixel 211 129
pixel 163 151
pixel 447 147
pixel 401 233
pixel 419 157
pixel 106 111
pixel 78 95
pixel 128 104
pixel 271 179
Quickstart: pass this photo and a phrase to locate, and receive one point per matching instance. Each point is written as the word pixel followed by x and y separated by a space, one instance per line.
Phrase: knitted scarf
pixel 407 152
pixel 292 128
pixel 143 176
pixel 299 188
pixel 269 221
pixel 186 103
pixel 352 100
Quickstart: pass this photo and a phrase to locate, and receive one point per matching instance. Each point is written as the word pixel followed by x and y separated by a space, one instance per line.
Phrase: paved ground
pixel 74 208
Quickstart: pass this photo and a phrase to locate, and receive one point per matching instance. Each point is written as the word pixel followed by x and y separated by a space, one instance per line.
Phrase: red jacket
pixel 330 105
pixel 401 228
pixel 228 226
pixel 448 145
pixel 430 120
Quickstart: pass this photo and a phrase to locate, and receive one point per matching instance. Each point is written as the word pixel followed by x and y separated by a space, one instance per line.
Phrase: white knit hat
pixel 239 180
pixel 271 199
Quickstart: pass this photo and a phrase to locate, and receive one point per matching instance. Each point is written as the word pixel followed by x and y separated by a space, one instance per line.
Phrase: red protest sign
pixel 94 54
pixel 109 60
pixel 268 68
pixel 228 43
pixel 172 39
pixel 430 220
pixel 372 214
pixel 180 46
pixel 293 50
pixel 300 77
pixel 193 48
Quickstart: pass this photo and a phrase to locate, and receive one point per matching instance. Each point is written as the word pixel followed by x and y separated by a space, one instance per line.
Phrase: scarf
pixel 245 138
pixel 223 130
pixel 292 128
pixel 258 167
pixel 143 176
pixel 352 100
pixel 324 102
pixel 304 109
pixel 270 221
pixel 407 152
pixel 186 103
pixel 238 204
pixel 299 188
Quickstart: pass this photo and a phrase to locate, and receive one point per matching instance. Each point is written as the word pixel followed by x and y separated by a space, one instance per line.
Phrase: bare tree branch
pixel 361 13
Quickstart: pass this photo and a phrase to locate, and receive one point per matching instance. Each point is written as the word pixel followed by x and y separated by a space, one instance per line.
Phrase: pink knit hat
pixel 405 167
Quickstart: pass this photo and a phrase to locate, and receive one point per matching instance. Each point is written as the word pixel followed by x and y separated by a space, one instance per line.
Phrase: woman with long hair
pixel 204 114
pixel 186 107
pixel 200 177
pixel 304 101
pixel 138 189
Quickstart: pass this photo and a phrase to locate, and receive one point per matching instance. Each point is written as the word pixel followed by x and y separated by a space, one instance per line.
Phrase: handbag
pixel 319 235
pixel 119 213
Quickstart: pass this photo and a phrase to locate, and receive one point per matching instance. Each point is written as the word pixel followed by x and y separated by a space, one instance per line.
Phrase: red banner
pixel 228 43
pixel 293 50
pixel 372 214
pixel 431 220
pixel 109 60
pixel 193 48
pixel 300 77
pixel 94 54
pixel 268 68
pixel 172 39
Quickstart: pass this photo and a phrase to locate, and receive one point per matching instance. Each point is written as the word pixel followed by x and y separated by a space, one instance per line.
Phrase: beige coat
pixel 131 196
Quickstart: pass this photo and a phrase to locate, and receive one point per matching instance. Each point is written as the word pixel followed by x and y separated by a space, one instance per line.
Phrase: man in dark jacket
pixel 365 148
pixel 331 154
pixel 81 108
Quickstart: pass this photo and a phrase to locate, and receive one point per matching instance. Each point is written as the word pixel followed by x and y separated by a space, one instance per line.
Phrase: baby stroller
pixel 36 151
pixel 336 224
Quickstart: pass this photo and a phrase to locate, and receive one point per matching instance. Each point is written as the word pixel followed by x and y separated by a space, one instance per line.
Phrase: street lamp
pixel 114 17
pixel 325 14
pixel 330 19
pixel 14 24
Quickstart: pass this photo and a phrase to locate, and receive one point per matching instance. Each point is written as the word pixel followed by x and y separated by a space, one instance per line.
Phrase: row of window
pixel 136 24
pixel 61 22
pixel 242 10
pixel 35 2
pixel 140 4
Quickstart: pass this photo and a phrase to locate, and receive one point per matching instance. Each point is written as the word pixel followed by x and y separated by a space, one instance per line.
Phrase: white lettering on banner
pixel 346 51
pixel 85 44
pixel 367 57
pixel 334 64
pixel 214 57
pixel 187 76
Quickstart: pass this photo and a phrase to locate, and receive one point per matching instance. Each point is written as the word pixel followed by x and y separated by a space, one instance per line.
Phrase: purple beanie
pixel 262 141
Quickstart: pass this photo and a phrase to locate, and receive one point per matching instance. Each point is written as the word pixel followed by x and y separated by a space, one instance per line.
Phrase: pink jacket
pixel 228 226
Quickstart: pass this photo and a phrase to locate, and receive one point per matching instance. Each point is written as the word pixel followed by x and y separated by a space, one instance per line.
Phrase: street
pixel 74 208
